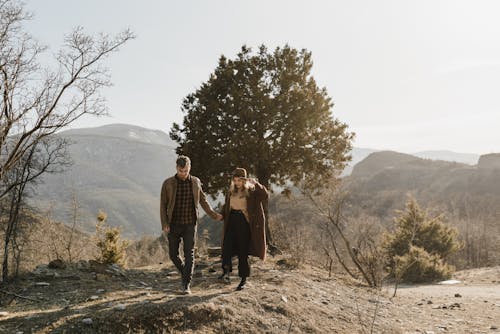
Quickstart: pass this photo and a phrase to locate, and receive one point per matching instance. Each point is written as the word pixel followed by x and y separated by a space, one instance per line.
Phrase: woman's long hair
pixel 245 192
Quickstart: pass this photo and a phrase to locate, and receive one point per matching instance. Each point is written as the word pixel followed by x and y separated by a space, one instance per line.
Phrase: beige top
pixel 238 202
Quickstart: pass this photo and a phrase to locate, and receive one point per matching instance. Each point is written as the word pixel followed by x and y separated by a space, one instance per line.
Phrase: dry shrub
pixel 147 251
pixel 108 241
pixel 418 266
pixel 420 245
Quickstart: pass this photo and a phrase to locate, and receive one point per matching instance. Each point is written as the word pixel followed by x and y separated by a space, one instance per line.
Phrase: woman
pixel 244 229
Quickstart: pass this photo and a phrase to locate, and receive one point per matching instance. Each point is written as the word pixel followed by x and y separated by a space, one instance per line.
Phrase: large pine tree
pixel 265 112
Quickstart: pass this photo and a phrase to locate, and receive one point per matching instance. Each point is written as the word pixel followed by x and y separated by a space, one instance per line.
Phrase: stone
pixel 457 295
pixel 120 307
pixel 57 264
pixel 87 321
pixel 42 284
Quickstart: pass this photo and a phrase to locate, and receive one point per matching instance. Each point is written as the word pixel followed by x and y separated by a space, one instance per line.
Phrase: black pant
pixel 237 241
pixel 187 233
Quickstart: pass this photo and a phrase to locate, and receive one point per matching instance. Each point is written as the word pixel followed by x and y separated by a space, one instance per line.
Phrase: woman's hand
pixel 252 181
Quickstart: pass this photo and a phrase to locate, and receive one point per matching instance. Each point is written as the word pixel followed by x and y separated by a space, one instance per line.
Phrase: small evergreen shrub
pixel 418 248
pixel 108 240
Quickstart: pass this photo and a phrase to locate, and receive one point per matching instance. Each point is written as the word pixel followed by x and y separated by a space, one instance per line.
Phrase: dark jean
pixel 237 241
pixel 186 232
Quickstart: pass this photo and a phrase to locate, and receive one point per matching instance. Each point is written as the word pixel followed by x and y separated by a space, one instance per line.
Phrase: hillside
pixel 391 171
pixel 86 298
pixel 114 171
pixel 119 168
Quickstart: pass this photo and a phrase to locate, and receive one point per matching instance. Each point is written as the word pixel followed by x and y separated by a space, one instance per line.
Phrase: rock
pixel 87 321
pixel 120 307
pixel 283 298
pixel 100 291
pixel 102 277
pixel 82 265
pixel 57 264
pixel 493 327
pixel 42 284
pixel 214 251
pixel 94 298
pixel 97 267
pixel 429 302
pixel 457 295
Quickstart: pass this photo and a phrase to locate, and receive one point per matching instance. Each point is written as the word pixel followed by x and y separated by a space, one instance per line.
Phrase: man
pixel 180 196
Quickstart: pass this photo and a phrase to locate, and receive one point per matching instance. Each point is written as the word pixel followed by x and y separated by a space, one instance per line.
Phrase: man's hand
pixel 219 217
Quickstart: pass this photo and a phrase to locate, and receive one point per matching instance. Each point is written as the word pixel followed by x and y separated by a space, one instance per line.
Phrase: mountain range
pixel 119 169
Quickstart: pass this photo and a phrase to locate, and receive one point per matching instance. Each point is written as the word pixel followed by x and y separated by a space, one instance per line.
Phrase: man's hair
pixel 183 161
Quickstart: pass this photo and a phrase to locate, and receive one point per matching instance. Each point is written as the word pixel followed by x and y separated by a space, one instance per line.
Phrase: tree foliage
pixel 263 111
pixel 418 248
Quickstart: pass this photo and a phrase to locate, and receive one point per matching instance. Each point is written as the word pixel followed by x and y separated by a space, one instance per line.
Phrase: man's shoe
pixel 186 289
pixel 242 284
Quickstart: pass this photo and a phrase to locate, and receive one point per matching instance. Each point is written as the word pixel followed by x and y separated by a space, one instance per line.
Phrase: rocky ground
pixel 280 298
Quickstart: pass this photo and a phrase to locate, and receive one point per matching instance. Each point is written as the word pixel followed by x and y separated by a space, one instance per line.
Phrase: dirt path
pixel 279 299
pixel 470 306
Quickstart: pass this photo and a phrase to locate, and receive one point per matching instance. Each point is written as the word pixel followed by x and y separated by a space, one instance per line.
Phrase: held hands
pixel 219 217
pixel 166 229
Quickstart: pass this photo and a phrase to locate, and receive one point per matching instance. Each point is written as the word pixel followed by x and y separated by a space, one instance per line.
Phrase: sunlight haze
pixel 404 75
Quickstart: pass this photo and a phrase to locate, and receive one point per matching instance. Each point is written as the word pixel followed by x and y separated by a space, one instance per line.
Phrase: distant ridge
pixel 125 131
pixel 119 168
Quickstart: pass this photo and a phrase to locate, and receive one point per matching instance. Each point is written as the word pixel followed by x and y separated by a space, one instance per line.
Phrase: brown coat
pixel 167 200
pixel 257 220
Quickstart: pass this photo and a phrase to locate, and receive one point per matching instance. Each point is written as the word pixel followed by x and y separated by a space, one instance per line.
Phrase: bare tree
pixel 36 102
pixel 49 155
pixel 329 205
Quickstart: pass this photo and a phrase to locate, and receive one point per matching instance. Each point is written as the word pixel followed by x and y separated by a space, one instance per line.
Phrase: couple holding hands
pixel 242 214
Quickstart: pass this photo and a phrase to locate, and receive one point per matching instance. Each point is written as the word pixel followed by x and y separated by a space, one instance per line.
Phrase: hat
pixel 240 172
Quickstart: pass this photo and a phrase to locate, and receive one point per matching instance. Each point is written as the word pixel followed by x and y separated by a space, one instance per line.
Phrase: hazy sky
pixel 405 75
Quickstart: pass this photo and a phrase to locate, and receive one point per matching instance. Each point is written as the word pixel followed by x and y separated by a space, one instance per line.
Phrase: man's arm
pixel 163 208
pixel 207 208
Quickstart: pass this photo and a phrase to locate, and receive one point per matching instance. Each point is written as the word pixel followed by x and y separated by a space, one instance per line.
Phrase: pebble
pixel 42 284
pixel 100 290
pixel 457 295
pixel 283 298
pixel 493 327
pixel 120 307
pixel 87 321
pixel 94 297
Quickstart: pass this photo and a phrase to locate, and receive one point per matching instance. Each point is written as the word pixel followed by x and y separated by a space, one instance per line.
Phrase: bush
pixel 418 266
pixel 420 246
pixel 111 247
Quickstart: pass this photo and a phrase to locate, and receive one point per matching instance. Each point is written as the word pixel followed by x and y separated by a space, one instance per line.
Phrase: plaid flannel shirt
pixel 184 211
